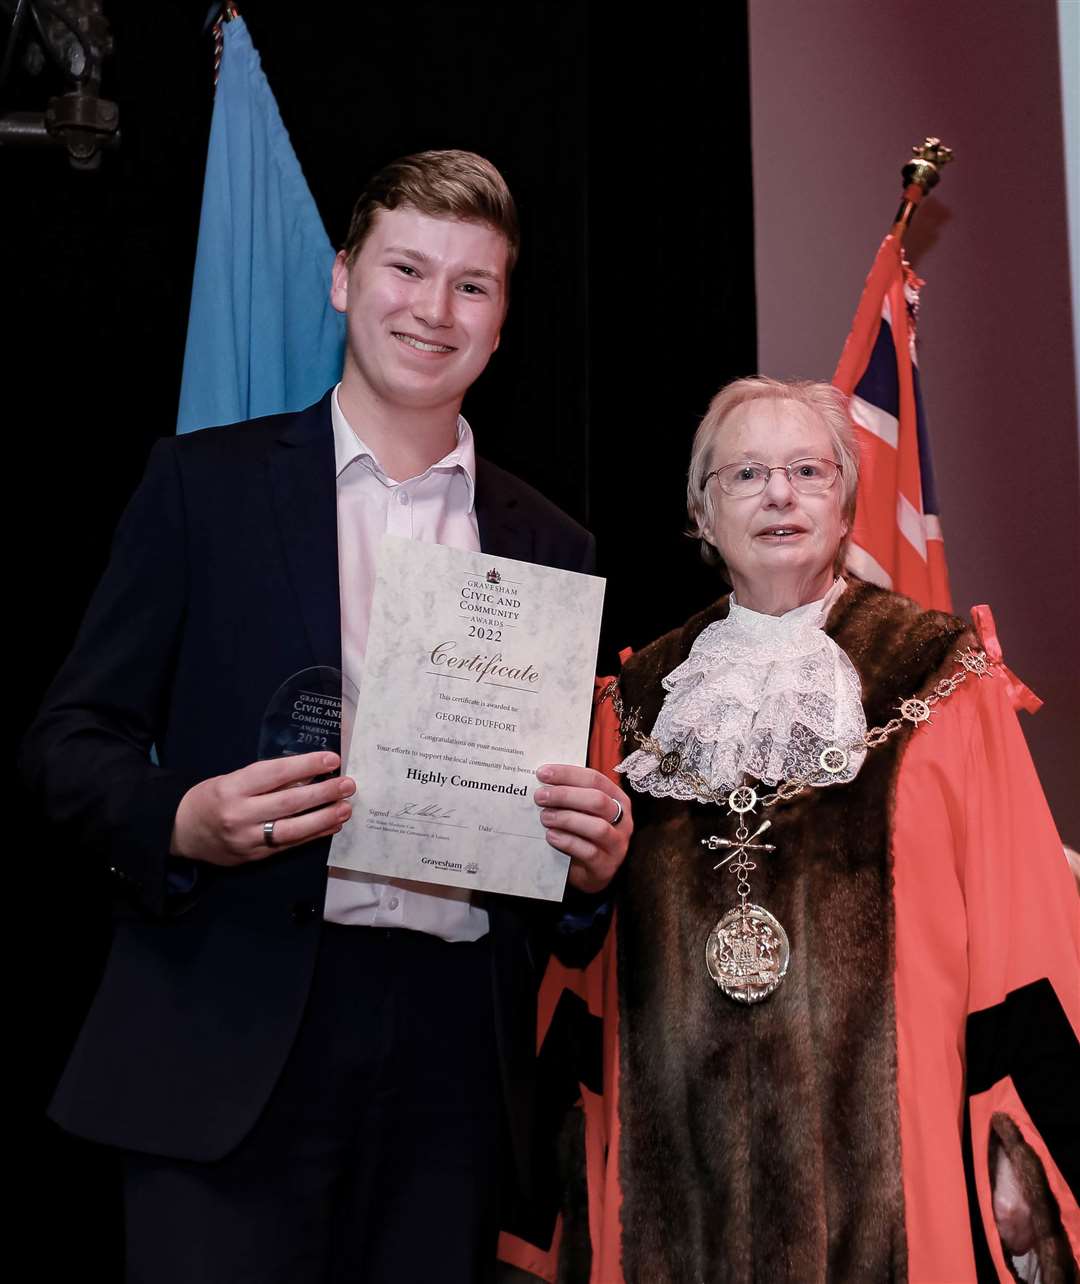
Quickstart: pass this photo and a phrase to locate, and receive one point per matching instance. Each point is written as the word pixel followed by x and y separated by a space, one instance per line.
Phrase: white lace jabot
pixel 758 695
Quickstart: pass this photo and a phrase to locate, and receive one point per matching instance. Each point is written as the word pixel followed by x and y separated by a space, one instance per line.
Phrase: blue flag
pixel 262 336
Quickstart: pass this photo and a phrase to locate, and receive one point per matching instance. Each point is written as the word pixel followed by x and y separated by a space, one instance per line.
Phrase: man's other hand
pixel 224 820
pixel 588 818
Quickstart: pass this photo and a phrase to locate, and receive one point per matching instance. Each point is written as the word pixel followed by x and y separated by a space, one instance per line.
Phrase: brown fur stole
pixel 762 1143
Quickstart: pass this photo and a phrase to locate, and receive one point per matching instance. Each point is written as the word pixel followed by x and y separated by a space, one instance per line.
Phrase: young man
pixel 310 1079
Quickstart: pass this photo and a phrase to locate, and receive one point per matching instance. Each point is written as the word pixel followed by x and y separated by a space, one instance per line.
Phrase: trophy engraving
pixel 314 709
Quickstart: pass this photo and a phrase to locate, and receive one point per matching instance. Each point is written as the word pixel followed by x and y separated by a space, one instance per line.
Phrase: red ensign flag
pixel 897 538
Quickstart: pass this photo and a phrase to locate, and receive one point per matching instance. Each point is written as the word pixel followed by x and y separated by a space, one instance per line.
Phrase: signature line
pixel 428 820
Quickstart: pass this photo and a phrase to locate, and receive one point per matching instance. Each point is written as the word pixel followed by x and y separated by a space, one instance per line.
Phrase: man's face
pixel 424 300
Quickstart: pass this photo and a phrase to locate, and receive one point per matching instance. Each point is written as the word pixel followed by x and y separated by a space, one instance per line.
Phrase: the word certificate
pixel 478 670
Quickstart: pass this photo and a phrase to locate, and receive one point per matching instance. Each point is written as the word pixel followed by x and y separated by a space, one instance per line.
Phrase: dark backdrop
pixel 626 143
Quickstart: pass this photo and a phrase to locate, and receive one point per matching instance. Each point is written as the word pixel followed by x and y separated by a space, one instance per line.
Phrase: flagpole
pixel 920 175
pixel 228 13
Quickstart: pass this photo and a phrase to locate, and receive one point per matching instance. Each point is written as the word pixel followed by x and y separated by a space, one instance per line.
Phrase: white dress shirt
pixel 435 507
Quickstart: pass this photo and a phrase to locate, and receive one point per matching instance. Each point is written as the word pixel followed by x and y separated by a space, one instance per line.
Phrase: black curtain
pixel 626 141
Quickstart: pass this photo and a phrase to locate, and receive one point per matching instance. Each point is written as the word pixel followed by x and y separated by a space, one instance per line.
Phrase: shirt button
pixel 402 497
pixel 393 902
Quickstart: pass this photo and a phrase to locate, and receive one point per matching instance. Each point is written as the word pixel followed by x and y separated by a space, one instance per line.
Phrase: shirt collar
pixel 349 447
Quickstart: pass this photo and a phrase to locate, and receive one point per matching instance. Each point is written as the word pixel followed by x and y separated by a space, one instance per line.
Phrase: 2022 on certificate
pixel 479 669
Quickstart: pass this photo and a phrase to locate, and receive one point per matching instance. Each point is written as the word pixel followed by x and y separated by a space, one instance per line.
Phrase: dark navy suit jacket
pixel 223 581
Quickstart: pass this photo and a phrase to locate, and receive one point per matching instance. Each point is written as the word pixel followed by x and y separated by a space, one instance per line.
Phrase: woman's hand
pixel 1012 1211
pixel 588 818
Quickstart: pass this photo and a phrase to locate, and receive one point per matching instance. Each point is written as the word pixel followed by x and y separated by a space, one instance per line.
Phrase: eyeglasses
pixel 807 476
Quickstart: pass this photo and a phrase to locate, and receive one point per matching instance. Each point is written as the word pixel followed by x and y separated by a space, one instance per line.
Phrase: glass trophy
pixel 313 710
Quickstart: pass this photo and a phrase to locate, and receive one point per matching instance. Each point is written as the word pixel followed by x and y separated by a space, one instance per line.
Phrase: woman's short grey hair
pixel 830 406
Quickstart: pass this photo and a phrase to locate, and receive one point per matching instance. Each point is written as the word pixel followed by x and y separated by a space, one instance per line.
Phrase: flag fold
pixel 897 539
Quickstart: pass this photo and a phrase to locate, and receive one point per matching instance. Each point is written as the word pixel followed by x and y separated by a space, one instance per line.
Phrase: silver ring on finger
pixel 268 831
pixel 618 813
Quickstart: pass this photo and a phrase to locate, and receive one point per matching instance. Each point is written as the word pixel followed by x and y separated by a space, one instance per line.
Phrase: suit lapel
pixel 305 501
pixel 503 529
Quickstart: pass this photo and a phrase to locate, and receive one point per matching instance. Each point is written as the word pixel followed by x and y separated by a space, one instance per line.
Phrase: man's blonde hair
pixel 449 184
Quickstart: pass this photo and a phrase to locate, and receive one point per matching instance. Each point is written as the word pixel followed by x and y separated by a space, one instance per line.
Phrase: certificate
pixel 479 669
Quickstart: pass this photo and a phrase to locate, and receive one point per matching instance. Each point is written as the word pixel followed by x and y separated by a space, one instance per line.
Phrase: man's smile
pixel 421 345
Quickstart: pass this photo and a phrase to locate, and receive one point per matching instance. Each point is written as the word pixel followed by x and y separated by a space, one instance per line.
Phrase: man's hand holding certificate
pixel 478 671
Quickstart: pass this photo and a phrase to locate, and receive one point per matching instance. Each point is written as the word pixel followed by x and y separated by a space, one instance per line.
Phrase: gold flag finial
pixel 920 176
pixel 931 157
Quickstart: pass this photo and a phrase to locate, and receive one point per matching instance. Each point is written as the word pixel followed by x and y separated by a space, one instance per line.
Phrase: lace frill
pixel 758 695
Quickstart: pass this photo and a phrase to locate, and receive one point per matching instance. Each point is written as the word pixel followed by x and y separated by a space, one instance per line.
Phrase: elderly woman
pixel 847 943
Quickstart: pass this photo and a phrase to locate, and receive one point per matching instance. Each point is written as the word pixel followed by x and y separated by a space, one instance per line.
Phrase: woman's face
pixel 779 546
